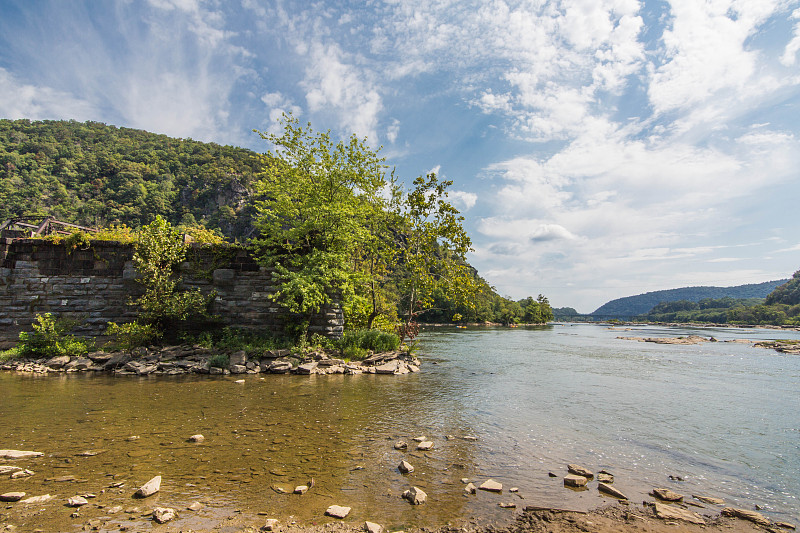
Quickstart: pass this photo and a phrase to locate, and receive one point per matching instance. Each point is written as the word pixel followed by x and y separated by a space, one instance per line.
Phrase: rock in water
pixel 400 445
pixel 338 511
pixel 12 496
pixel 163 515
pixel 415 495
pixel 580 471
pixel 708 499
pixel 744 514
pixel 149 488
pixel 8 469
pixel 197 438
pixel 470 489
pixel 301 489
pixel 271 524
pixel 666 495
pixel 372 527
pixel 491 485
pixel 18 454
pixel 572 480
pixel 670 512
pixel 77 501
pixel 612 491
pixel 405 467
pixel 36 499
pixel 605 477
pixel 425 445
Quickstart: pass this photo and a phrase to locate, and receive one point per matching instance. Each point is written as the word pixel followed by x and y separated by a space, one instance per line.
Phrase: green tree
pixel 318 201
pixel 159 250
pixel 431 254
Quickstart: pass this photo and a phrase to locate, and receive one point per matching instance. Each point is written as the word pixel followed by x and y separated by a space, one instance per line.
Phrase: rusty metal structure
pixel 26 227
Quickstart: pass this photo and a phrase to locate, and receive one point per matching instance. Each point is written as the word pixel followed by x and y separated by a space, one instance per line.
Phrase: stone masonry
pixel 93 287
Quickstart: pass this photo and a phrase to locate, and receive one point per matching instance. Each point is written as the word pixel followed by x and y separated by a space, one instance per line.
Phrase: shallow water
pixel 723 416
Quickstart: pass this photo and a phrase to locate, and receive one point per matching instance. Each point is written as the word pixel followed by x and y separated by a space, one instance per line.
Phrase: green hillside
pixel 93 174
pixel 641 304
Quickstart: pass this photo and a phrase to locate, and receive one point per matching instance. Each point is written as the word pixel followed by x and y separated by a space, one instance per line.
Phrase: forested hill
pixel 93 174
pixel 631 306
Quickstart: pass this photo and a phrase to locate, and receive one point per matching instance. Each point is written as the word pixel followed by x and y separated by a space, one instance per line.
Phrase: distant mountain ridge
pixel 640 304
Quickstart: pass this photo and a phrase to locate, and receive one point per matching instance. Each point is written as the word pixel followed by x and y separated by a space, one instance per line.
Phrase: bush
pixel 219 360
pixel 370 339
pixel 49 339
pixel 133 334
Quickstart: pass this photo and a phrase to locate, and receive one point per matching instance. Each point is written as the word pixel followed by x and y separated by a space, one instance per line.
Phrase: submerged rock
pixel 400 445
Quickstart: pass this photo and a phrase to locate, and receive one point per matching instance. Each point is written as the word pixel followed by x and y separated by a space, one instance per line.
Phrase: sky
pixel 598 148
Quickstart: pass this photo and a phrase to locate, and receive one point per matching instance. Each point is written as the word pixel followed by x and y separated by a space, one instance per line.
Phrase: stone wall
pixel 93 287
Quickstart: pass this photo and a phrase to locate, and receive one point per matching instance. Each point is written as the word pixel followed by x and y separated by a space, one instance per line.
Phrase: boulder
pixel 238 358
pixel 670 512
pixel 338 511
pixel 197 438
pixel 666 495
pixel 572 480
pixel 415 495
pixel 709 500
pixel 117 360
pixel 149 488
pixel 405 467
pixel 163 515
pixel 77 501
pixel 491 486
pixel 425 446
pixel 307 368
pixel 400 445
pixel 372 527
pixel 392 367
pixel 18 454
pixel 58 361
pixel 237 369
pixel 744 514
pixel 12 496
pixel 580 471
pixel 610 490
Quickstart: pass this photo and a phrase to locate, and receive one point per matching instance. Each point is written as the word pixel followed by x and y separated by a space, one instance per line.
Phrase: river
pixel 724 417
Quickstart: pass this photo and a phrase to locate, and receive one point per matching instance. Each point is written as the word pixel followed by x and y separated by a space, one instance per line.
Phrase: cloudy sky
pixel 599 148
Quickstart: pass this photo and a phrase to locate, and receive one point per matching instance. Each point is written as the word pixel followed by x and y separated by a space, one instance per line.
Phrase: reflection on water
pixel 723 416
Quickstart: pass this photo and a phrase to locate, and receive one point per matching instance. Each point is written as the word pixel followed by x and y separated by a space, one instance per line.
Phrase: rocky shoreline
pixel 182 359
pixel 667 511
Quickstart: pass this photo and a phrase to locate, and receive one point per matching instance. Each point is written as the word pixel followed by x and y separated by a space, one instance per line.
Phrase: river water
pixel 724 417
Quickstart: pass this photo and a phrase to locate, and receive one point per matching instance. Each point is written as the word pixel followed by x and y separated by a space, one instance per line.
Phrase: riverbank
pixel 177 360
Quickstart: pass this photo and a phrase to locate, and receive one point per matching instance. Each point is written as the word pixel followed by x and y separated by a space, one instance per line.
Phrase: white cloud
pixel 20 100
pixel 462 200
pixel 790 52
pixel 279 105
pixel 334 84
pixel 551 232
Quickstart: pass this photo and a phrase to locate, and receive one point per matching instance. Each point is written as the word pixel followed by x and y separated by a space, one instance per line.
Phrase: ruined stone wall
pixel 93 287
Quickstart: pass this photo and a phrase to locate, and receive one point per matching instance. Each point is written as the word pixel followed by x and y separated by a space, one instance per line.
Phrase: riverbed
pixel 723 417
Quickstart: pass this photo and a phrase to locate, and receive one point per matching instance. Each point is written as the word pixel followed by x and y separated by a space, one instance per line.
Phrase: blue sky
pixel 599 148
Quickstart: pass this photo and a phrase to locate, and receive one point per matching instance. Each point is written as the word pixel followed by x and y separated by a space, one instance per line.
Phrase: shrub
pixel 370 339
pixel 133 334
pixel 219 360
pixel 49 339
